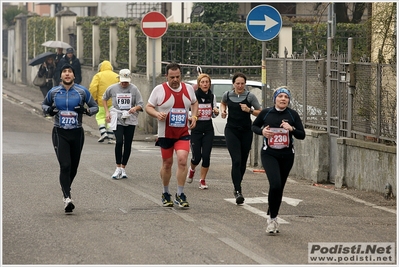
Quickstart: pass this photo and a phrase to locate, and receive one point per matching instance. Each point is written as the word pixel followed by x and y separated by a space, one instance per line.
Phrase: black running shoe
pixel 181 201
pixel 239 198
pixel 166 201
pixel 68 205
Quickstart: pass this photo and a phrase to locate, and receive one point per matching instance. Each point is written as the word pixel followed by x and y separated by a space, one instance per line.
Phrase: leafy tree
pixel 10 13
pixel 213 12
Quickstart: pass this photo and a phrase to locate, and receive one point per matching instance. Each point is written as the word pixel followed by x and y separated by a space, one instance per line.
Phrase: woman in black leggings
pixel 278 124
pixel 127 102
pixel 202 135
pixel 239 104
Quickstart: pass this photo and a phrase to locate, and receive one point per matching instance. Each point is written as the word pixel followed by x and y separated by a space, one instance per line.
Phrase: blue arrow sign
pixel 264 22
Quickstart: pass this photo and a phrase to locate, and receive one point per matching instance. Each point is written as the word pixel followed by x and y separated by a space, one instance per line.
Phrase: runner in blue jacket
pixel 66 102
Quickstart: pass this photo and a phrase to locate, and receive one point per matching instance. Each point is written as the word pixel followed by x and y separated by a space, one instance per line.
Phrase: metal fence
pixel 318 84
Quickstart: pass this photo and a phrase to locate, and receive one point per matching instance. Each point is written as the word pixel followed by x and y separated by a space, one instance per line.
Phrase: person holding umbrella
pixel 47 70
pixel 60 46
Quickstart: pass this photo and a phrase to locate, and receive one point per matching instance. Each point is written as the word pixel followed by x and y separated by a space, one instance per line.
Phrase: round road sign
pixel 264 22
pixel 154 24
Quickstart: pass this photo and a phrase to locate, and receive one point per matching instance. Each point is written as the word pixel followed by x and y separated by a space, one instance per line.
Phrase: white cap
pixel 124 75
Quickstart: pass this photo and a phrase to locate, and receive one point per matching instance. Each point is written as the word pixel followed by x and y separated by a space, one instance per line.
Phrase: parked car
pixel 218 87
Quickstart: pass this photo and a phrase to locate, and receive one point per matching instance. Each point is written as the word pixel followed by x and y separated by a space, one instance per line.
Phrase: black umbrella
pixel 41 58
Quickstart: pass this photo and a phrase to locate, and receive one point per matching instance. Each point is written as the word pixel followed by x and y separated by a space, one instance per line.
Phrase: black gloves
pixel 52 110
pixel 80 110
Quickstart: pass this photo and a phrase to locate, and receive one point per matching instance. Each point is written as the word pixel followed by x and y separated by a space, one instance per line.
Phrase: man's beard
pixel 67 83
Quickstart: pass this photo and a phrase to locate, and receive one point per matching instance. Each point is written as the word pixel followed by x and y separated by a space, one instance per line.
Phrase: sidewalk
pixel 32 96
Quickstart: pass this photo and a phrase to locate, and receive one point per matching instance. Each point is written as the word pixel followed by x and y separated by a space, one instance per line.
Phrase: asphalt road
pixel 123 222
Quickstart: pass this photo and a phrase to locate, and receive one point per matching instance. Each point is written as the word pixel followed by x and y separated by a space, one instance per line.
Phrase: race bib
pixel 68 119
pixel 177 117
pixel 124 101
pixel 280 139
pixel 205 112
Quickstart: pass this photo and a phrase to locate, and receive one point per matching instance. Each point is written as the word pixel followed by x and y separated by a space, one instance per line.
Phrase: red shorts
pixel 178 145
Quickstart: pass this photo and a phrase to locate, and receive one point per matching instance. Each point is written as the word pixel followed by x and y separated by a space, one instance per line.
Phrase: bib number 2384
pixel 177 117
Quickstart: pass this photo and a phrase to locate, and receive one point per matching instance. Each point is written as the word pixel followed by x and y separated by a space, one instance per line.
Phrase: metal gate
pixel 338 101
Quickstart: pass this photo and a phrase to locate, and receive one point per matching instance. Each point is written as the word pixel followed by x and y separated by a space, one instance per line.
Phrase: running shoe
pixel 102 138
pixel 68 205
pixel 166 201
pixel 111 141
pixel 123 173
pixel 181 201
pixel 272 226
pixel 117 174
pixel 190 176
pixel 203 185
pixel 239 198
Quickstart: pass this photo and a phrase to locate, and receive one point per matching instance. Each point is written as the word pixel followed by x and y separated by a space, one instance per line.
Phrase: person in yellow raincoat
pixel 100 82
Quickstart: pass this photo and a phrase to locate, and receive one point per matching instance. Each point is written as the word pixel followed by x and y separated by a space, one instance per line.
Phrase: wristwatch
pixel 293 128
pixel 251 110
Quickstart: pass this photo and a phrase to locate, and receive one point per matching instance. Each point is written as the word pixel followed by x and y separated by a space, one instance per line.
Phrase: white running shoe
pixel 123 173
pixel 190 176
pixel 272 226
pixel 68 205
pixel 117 173
pixel 203 184
pixel 102 138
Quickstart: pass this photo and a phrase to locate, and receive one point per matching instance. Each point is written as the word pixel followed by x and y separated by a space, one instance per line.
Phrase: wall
pixel 361 164
pixel 312 157
pixel 366 165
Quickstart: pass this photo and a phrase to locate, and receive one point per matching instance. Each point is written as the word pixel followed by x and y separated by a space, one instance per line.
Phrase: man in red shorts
pixel 169 103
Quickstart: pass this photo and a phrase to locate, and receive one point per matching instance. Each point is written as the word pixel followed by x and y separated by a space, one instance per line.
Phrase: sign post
pixel 154 25
pixel 264 23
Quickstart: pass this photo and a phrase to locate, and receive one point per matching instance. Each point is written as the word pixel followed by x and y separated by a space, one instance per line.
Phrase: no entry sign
pixel 154 24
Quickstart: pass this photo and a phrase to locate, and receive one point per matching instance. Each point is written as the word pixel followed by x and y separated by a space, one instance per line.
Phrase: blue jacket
pixel 67 100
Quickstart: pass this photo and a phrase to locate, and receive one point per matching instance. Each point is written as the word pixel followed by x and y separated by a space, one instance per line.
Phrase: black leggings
pixel 201 147
pixel 124 138
pixel 277 169
pixel 68 146
pixel 239 144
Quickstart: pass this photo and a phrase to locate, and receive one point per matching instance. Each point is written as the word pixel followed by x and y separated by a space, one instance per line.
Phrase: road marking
pixel 246 251
pixel 188 218
pixel 290 201
pixel 263 200
pixel 256 200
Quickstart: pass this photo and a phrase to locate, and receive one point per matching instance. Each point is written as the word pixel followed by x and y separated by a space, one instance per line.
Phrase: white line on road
pixel 188 218
pixel 255 210
pixel 245 251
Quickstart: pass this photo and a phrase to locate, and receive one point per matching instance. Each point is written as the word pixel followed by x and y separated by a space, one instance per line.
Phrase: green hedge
pixel 198 43
pixel 40 30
